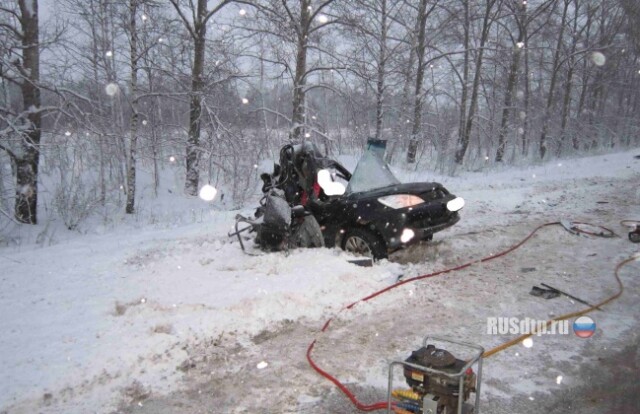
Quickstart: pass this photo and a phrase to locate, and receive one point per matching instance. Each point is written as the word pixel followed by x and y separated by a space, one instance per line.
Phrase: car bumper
pixel 421 231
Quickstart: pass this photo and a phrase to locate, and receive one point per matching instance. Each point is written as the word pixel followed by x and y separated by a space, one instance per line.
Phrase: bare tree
pixel 523 18
pixel 571 67
pixel 421 28
pixel 133 122
pixel 195 17
pixel 487 19
pixel 295 23
pixel 304 28
pixel 519 13
pixel 20 25
pixel 554 77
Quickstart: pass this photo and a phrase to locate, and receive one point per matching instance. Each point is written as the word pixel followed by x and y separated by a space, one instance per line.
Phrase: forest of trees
pixel 94 89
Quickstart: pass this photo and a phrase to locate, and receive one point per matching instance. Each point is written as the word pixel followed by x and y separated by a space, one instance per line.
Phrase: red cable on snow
pixel 342 387
pixel 383 404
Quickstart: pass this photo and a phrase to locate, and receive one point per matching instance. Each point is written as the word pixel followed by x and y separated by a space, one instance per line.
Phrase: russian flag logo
pixel 584 327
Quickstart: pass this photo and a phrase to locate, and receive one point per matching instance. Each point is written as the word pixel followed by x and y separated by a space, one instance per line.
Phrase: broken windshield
pixel 372 171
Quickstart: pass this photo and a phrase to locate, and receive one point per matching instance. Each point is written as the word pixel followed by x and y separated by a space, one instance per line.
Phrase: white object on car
pixel 330 187
pixel 455 204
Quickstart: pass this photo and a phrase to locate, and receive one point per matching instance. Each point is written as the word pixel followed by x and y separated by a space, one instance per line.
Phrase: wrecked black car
pixel 368 212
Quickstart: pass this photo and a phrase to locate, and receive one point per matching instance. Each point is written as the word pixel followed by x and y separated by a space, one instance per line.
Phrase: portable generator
pixel 634 227
pixel 634 235
pixel 439 382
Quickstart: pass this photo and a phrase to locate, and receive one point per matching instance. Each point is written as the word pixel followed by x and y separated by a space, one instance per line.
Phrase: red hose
pixel 342 387
pixel 383 404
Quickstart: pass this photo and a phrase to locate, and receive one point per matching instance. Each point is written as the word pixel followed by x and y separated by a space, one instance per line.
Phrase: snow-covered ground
pixel 176 319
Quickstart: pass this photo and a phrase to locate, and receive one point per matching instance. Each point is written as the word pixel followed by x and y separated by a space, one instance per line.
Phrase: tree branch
pixel 9 152
pixel 184 19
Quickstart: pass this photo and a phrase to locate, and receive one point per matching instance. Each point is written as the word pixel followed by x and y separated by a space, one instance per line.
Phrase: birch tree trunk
pixel 512 81
pixel 382 60
pixel 418 98
pixel 299 81
pixel 197 28
pixel 552 85
pixel 463 140
pixel 473 104
pixel 27 164
pixel 133 123
pixel 527 93
pixel 566 100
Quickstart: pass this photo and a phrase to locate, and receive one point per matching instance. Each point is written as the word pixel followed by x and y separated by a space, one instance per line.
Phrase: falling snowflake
pixel 559 379
pixel 527 343
pixel 262 365
pixel 598 59
pixel 144 122
pixel 208 192
pixel 245 101
pixel 68 133
pixel 144 17
pixel 323 19
pixel 520 45
pixel 242 12
pixel 172 159
pixel 307 135
pixel 111 89
pixel 108 53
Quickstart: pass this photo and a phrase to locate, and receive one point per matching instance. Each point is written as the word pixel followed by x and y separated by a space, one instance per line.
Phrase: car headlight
pixel 455 204
pixel 400 200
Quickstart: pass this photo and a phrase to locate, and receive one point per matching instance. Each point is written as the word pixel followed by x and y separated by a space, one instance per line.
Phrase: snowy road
pixel 165 322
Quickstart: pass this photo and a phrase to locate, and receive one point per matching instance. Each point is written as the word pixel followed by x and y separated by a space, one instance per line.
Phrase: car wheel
pixel 364 243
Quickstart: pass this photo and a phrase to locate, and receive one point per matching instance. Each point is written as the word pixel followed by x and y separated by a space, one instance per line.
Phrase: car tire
pixel 308 233
pixel 364 242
